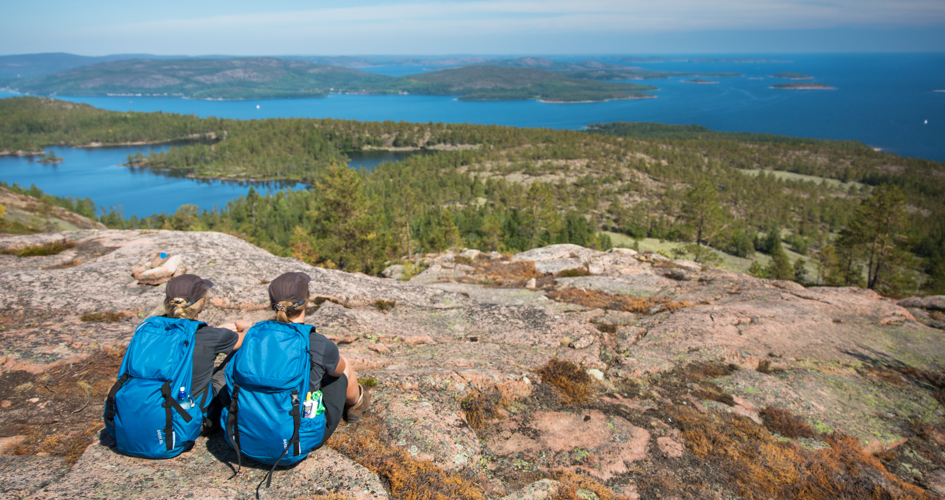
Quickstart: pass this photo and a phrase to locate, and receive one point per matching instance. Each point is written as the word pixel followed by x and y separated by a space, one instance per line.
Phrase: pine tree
pixel 876 236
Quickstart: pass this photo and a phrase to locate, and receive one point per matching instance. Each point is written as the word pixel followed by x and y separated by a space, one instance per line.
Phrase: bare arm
pixel 341 367
pixel 240 327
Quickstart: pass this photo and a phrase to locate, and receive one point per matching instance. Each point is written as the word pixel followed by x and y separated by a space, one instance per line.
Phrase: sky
pixel 495 27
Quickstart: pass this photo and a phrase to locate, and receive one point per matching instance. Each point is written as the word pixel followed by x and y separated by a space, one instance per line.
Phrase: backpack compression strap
pixel 297 422
pixel 169 403
pixel 110 400
pixel 232 430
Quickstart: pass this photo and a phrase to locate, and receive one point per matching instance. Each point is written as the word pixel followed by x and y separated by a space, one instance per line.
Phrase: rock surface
pixel 829 355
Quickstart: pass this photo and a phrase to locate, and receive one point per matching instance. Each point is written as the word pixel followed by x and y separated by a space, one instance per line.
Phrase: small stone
pixel 531 284
pixel 594 372
pixel 5 404
pixel 33 400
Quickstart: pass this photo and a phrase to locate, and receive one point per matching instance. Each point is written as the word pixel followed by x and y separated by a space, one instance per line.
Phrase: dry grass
pixel 937 315
pixel 783 422
pixel 756 465
pixel 408 478
pixel 594 299
pixel 106 317
pixel 574 385
pixel 481 407
pixel 51 248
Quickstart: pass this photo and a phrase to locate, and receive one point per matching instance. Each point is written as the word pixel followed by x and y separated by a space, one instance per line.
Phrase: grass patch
pixel 51 248
pixel 574 384
pixel 407 477
pixel 481 407
pixel 384 305
pixel 594 299
pixel 105 317
pixel 783 422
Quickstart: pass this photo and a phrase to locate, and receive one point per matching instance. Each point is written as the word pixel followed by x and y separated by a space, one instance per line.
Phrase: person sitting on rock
pixel 330 372
pixel 186 296
pixel 283 363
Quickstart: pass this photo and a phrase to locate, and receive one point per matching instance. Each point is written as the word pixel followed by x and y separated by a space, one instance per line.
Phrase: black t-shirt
pixel 209 342
pixel 325 357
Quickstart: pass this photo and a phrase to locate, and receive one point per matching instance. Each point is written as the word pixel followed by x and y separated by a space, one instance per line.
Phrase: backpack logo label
pixel 160 437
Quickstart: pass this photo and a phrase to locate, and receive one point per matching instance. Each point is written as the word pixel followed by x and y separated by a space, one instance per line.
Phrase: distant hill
pixel 541 62
pixel 243 78
pixel 32 65
pixel 485 83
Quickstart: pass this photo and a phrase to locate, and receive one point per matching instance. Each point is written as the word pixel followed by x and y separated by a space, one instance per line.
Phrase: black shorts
pixel 334 394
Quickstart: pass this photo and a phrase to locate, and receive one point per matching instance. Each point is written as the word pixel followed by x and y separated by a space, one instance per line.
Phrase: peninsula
pixel 700 81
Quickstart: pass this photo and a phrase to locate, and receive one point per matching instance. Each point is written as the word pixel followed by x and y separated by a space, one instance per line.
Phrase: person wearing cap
pixel 330 372
pixel 186 296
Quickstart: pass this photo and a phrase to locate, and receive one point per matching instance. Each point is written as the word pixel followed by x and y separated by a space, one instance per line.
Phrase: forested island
pixel 700 81
pixel 803 86
pixel 509 189
pixel 270 78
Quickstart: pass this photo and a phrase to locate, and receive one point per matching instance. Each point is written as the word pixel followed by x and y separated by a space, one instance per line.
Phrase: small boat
pixel 257 106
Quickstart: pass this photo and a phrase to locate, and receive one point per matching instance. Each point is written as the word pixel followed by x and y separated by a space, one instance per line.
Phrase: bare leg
pixel 353 393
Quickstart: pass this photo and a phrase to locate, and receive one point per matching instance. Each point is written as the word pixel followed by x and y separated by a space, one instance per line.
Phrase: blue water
pixel 882 100
pixel 97 174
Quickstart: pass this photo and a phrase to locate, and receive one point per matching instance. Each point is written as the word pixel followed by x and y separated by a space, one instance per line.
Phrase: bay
pixel 887 101
pixel 97 173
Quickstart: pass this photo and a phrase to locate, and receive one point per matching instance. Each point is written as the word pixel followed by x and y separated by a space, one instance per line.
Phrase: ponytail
pixel 282 311
pixel 179 308
pixel 286 311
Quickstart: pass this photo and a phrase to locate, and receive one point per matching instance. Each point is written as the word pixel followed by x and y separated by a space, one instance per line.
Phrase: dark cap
pixel 290 287
pixel 187 286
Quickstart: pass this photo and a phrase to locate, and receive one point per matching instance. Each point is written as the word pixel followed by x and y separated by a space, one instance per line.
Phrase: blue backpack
pixel 145 410
pixel 267 379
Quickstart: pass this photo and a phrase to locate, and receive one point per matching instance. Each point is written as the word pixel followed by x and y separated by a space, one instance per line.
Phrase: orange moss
pixel 409 478
pixel 481 407
pixel 785 423
pixel 574 384
pixel 594 299
pixel 675 306
pixel 572 483
pixel 758 466
pixel 503 274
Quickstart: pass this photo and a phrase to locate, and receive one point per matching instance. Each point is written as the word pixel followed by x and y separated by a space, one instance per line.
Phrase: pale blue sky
pixel 418 27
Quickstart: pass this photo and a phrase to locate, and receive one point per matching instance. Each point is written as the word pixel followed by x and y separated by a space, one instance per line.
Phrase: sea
pixel 892 102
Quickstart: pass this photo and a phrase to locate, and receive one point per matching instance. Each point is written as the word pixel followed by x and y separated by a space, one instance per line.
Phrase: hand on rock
pixel 242 326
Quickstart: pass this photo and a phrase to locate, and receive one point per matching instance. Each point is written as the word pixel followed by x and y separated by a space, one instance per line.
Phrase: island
pixel 700 81
pixel 274 78
pixel 793 76
pixel 803 86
